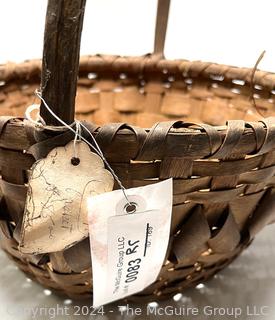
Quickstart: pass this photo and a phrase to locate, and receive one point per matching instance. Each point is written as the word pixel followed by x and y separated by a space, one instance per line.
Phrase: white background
pixel 229 31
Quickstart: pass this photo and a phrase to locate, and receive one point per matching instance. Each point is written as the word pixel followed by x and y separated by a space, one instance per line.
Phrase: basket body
pixel 223 173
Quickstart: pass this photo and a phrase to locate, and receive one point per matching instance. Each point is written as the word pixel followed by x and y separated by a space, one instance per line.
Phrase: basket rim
pixel 251 138
pixel 146 64
pixel 177 141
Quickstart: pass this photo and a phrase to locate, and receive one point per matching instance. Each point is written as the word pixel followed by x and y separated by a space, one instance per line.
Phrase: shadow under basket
pixel 223 175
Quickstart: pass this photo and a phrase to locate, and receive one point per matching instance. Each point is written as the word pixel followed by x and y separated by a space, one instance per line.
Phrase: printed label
pixel 128 250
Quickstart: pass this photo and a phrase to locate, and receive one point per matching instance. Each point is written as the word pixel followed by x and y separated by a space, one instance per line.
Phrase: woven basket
pixel 223 167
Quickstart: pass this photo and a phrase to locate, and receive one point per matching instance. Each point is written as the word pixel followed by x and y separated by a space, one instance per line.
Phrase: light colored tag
pixel 55 215
pixel 128 250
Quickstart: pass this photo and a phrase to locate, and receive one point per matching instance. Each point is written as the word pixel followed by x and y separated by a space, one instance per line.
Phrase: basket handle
pixel 161 26
pixel 63 27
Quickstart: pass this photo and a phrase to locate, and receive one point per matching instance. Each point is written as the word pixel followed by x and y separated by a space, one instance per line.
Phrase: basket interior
pixel 144 99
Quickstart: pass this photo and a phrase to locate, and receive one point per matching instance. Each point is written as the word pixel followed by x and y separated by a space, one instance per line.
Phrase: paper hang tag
pixel 128 250
pixel 55 214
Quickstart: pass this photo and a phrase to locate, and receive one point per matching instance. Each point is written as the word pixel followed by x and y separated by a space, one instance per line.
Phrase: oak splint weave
pixel 153 119
pixel 223 175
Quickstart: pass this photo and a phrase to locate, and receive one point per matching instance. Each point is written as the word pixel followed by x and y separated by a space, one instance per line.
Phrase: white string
pixel 77 133
pixel 76 137
pixel 108 165
pixel 28 112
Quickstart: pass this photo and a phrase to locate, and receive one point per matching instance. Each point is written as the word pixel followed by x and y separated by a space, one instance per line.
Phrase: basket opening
pixel 144 100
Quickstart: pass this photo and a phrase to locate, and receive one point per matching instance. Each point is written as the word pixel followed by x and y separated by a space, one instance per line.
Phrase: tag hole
pixel 130 208
pixel 75 161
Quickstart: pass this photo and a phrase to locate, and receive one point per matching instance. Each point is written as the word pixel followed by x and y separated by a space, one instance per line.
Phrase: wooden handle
pixel 64 21
pixel 161 26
